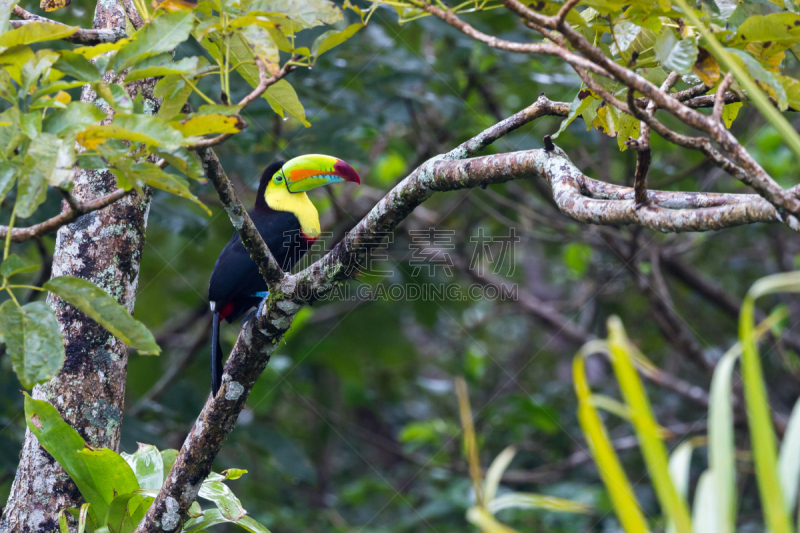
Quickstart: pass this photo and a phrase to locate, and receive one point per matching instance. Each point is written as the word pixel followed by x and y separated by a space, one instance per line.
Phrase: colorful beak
pixel 314 170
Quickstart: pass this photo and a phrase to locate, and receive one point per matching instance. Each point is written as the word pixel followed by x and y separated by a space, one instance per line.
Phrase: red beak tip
pixel 347 172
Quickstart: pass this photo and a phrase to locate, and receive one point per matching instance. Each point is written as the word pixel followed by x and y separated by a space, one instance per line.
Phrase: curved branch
pixel 74 210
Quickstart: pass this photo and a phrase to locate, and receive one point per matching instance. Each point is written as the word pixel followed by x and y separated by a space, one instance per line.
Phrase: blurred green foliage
pixel 355 424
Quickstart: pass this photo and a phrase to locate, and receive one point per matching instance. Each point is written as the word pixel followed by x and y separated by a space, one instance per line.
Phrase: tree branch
pixel 82 36
pixel 75 209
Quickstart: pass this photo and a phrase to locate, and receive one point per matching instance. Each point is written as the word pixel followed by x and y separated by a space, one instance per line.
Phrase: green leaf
pixel 162 34
pixel 33 339
pixel 523 500
pixel 282 97
pixel 213 517
pixel 674 54
pixel 234 473
pixel 126 511
pixel 757 71
pixel 75 118
pixel 148 466
pixel 792 88
pixel 206 124
pixel 175 92
pixel 15 265
pixel 762 432
pixel 730 112
pixel 35 32
pixel 77 66
pixel 8 176
pixel 783 28
pixel 625 32
pixel 35 67
pixel 168 457
pixel 163 65
pixel 63 443
pixel 620 491
pixel 628 128
pixel 333 38
pixel 31 192
pixel 754 93
pixel 184 160
pixel 581 102
pixel 306 14
pixel 789 459
pixel 145 129
pixel 51 158
pixel 215 490
pixel 495 472
pixel 721 459
pixel 98 305
pixel 13 59
pixel 262 43
pixel 63 526
pixel 647 430
pixel 150 174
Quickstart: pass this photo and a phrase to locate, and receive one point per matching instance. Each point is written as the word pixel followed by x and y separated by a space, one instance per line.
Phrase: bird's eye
pixel 279 179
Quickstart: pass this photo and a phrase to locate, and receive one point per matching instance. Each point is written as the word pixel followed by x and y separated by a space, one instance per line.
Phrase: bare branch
pixel 719 98
pixel 75 209
pixel 264 83
pixel 643 155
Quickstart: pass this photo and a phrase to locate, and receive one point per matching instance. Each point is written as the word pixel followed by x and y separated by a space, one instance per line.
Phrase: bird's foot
pixel 264 295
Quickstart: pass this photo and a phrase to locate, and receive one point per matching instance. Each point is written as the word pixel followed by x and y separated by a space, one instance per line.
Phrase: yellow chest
pixel 280 199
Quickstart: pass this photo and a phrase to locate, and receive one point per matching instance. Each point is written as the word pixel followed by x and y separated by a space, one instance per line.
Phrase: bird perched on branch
pixel 287 221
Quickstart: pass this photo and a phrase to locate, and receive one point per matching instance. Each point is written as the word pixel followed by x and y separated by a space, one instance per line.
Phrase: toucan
pixel 287 221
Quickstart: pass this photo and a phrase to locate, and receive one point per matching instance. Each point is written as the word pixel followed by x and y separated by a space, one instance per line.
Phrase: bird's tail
pixel 216 356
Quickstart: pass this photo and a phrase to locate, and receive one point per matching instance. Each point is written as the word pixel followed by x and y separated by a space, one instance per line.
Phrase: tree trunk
pixel 104 247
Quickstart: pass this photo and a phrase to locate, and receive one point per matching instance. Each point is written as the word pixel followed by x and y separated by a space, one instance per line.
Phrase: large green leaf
pixel 757 71
pixel 762 432
pixel 33 340
pixel 14 264
pixel 110 474
pixel 75 118
pixel 333 38
pixel 783 28
pixel 163 65
pixel 63 443
pixel 215 490
pixel 162 34
pixel 51 158
pixel 146 129
pixel 8 176
pixel 674 54
pixel 35 32
pixel 213 517
pixel 306 14
pixel 127 510
pixel 148 465
pixel 98 305
pixel 77 66
pixel 282 97
pixel 150 174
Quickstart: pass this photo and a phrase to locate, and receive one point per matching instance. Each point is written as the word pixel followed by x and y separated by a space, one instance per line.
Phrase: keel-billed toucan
pixel 287 221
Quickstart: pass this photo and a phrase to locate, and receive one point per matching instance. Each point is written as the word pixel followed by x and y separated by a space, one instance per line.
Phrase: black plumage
pixel 235 278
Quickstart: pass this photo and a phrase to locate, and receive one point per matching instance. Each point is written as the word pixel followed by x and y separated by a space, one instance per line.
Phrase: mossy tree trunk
pixel 104 247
